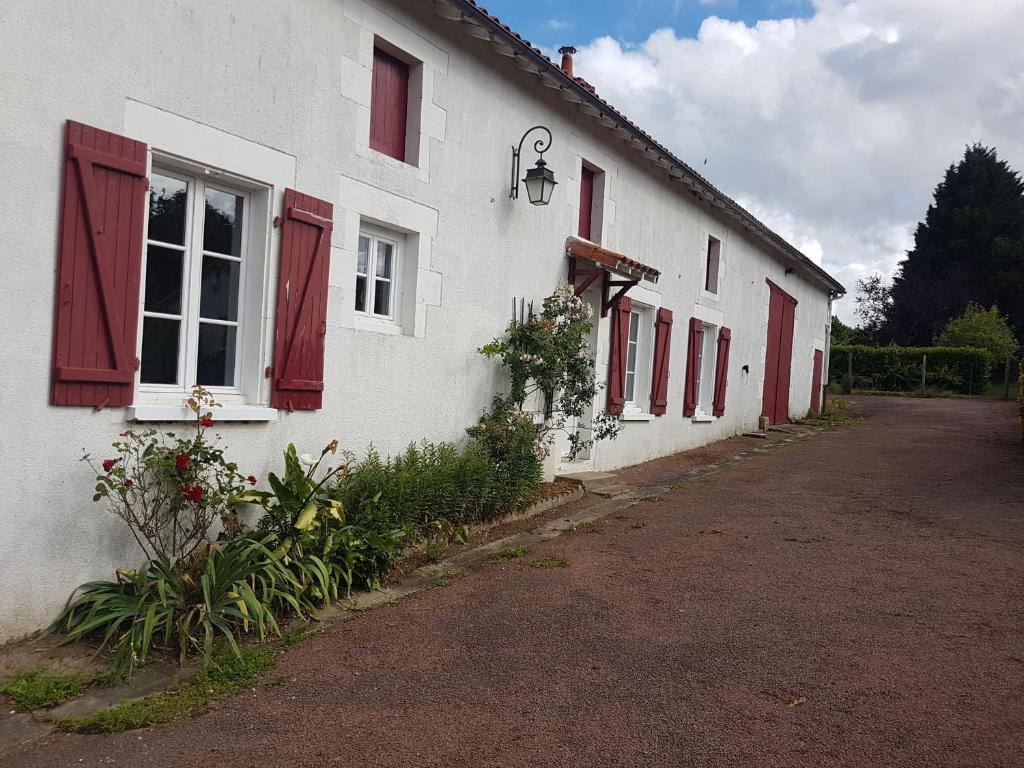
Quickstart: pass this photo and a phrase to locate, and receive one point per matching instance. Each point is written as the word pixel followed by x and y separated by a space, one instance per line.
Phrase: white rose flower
pixel 307 459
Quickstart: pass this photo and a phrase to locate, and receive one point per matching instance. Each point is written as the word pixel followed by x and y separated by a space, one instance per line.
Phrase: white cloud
pixel 557 24
pixel 835 129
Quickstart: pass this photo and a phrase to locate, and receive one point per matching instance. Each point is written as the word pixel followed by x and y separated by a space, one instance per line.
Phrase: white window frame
pixel 163 401
pixel 367 317
pixel 638 408
pixel 706 364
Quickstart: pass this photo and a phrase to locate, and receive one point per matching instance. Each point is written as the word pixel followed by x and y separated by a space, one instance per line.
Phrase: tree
pixel 969 248
pixel 978 327
pixel 841 332
pixel 874 304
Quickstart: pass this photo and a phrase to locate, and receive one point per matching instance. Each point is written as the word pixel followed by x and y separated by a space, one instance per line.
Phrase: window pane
pixel 222 226
pixel 384 253
pixel 364 255
pixel 360 294
pixel 634 326
pixel 159 350
pixel 631 357
pixel 382 297
pixel 218 292
pixel 163 280
pixel 216 358
pixel 167 202
pixel 630 387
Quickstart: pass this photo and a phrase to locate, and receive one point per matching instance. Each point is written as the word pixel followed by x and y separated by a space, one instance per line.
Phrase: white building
pixel 393 120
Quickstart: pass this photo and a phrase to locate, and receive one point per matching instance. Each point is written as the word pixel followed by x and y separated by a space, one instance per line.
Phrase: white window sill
pixel 181 413
pixel 636 416
pixel 374 325
pixel 702 418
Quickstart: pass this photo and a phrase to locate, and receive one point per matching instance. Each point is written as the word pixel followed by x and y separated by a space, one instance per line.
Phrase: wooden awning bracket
pixel 590 275
pixel 608 302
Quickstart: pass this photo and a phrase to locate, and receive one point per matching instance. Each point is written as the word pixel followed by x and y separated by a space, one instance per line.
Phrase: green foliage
pixel 874 302
pixel 224 677
pixel 516 450
pixel 513 553
pixel 841 332
pixel 969 248
pixel 548 562
pixel 898 369
pixel 41 689
pixel 170 489
pixel 547 356
pixel 984 328
pixel 235 590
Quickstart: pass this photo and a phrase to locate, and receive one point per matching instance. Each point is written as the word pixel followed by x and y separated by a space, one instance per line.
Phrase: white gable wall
pixel 279 92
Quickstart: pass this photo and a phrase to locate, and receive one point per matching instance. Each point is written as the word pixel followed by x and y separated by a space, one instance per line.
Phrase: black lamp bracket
pixel 540 146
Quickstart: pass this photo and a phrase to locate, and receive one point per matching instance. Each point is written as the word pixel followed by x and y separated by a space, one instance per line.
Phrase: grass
pixel 227 676
pixel 676 486
pixel 649 497
pixel 548 562
pixel 640 524
pixel 513 553
pixel 838 412
pixel 41 689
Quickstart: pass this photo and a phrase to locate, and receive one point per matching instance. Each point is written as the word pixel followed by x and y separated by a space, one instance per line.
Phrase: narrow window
pixel 632 349
pixel 389 104
pixel 191 318
pixel 586 203
pixel 376 275
pixel 713 263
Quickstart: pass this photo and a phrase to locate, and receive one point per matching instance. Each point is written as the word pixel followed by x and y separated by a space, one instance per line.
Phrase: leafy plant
pixel 234 590
pixel 984 328
pixel 169 489
pixel 40 689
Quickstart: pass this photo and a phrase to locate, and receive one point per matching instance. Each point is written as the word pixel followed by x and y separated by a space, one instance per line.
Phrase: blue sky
pixel 552 23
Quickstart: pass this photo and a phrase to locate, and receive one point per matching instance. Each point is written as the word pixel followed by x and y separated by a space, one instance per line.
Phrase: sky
pixel 832 120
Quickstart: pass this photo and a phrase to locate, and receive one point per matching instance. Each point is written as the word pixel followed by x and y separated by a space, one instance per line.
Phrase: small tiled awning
pixel 609 259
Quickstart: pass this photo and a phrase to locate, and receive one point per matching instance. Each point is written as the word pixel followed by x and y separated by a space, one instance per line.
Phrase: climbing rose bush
pixel 170 489
pixel 549 354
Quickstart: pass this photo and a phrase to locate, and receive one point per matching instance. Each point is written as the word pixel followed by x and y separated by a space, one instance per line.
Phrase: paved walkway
pixel 854 599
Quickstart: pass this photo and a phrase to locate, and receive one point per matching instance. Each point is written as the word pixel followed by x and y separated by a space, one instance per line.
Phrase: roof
pixel 584 249
pixel 478 23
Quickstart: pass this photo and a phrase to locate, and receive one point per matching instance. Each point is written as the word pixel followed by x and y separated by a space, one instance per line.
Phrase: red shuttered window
pixel 301 325
pixel 586 203
pixel 662 351
pixel 693 364
pixel 99 262
pixel 389 104
pixel 721 371
pixel 617 352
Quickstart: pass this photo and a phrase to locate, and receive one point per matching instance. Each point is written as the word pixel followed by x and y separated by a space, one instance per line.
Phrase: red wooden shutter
pixel 619 344
pixel 721 371
pixel 816 380
pixel 586 202
pixel 389 104
pixel 662 348
pixel 692 363
pixel 99 263
pixel 298 372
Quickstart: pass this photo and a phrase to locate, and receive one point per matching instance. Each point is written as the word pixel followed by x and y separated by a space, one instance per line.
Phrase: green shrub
pixel 236 590
pixel 40 689
pixel 963 370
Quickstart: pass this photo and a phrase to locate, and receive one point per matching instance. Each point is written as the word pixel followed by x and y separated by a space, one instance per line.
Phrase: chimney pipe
pixel 567 51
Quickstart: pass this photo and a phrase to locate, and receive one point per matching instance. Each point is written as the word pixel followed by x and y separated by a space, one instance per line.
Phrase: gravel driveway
pixel 854 599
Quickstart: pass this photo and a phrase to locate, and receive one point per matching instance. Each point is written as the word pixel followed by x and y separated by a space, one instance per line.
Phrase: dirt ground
pixel 853 599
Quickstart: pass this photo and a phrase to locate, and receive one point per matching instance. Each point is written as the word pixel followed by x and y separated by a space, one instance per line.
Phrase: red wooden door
pixel 778 356
pixel 816 381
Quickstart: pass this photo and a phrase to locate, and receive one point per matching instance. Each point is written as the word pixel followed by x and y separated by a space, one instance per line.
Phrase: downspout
pixel 826 355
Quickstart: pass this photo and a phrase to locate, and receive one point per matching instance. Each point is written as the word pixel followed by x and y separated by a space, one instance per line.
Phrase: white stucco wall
pixel 280 92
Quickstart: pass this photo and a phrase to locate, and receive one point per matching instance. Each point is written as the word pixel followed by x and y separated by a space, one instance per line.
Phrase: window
pixel 713 264
pixel 377 264
pixel 195 268
pixel 639 343
pixel 706 369
pixel 591 194
pixel 389 104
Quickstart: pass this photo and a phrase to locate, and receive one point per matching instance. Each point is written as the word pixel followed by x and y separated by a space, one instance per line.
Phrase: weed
pixel 513 553
pixel 223 677
pixel 639 525
pixel 549 562
pixel 649 497
pixel 676 486
pixel 41 689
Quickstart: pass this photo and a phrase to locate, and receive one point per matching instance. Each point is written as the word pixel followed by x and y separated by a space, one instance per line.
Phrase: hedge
pixel 963 370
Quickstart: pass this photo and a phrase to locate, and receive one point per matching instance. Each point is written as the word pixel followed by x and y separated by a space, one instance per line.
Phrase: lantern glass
pixel 540 183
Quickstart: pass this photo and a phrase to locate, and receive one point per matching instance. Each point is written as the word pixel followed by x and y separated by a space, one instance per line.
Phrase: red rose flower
pixel 108 464
pixel 128 483
pixel 206 421
pixel 251 479
pixel 195 495
pixel 181 462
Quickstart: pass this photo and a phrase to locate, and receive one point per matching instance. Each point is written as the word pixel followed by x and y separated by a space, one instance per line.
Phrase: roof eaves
pixel 483 25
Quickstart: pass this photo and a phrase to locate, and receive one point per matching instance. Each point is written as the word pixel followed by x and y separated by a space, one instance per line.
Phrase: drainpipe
pixel 826 355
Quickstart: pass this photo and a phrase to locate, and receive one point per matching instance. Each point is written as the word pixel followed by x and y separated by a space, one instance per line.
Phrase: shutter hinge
pixel 146 182
pixel 269 372
pixel 138 364
pixel 277 221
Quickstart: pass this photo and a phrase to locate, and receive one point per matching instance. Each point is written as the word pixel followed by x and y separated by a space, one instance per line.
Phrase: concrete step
pixel 612 489
pixel 599 483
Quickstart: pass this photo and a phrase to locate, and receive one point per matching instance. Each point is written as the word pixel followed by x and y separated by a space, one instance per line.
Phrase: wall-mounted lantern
pixel 539 180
